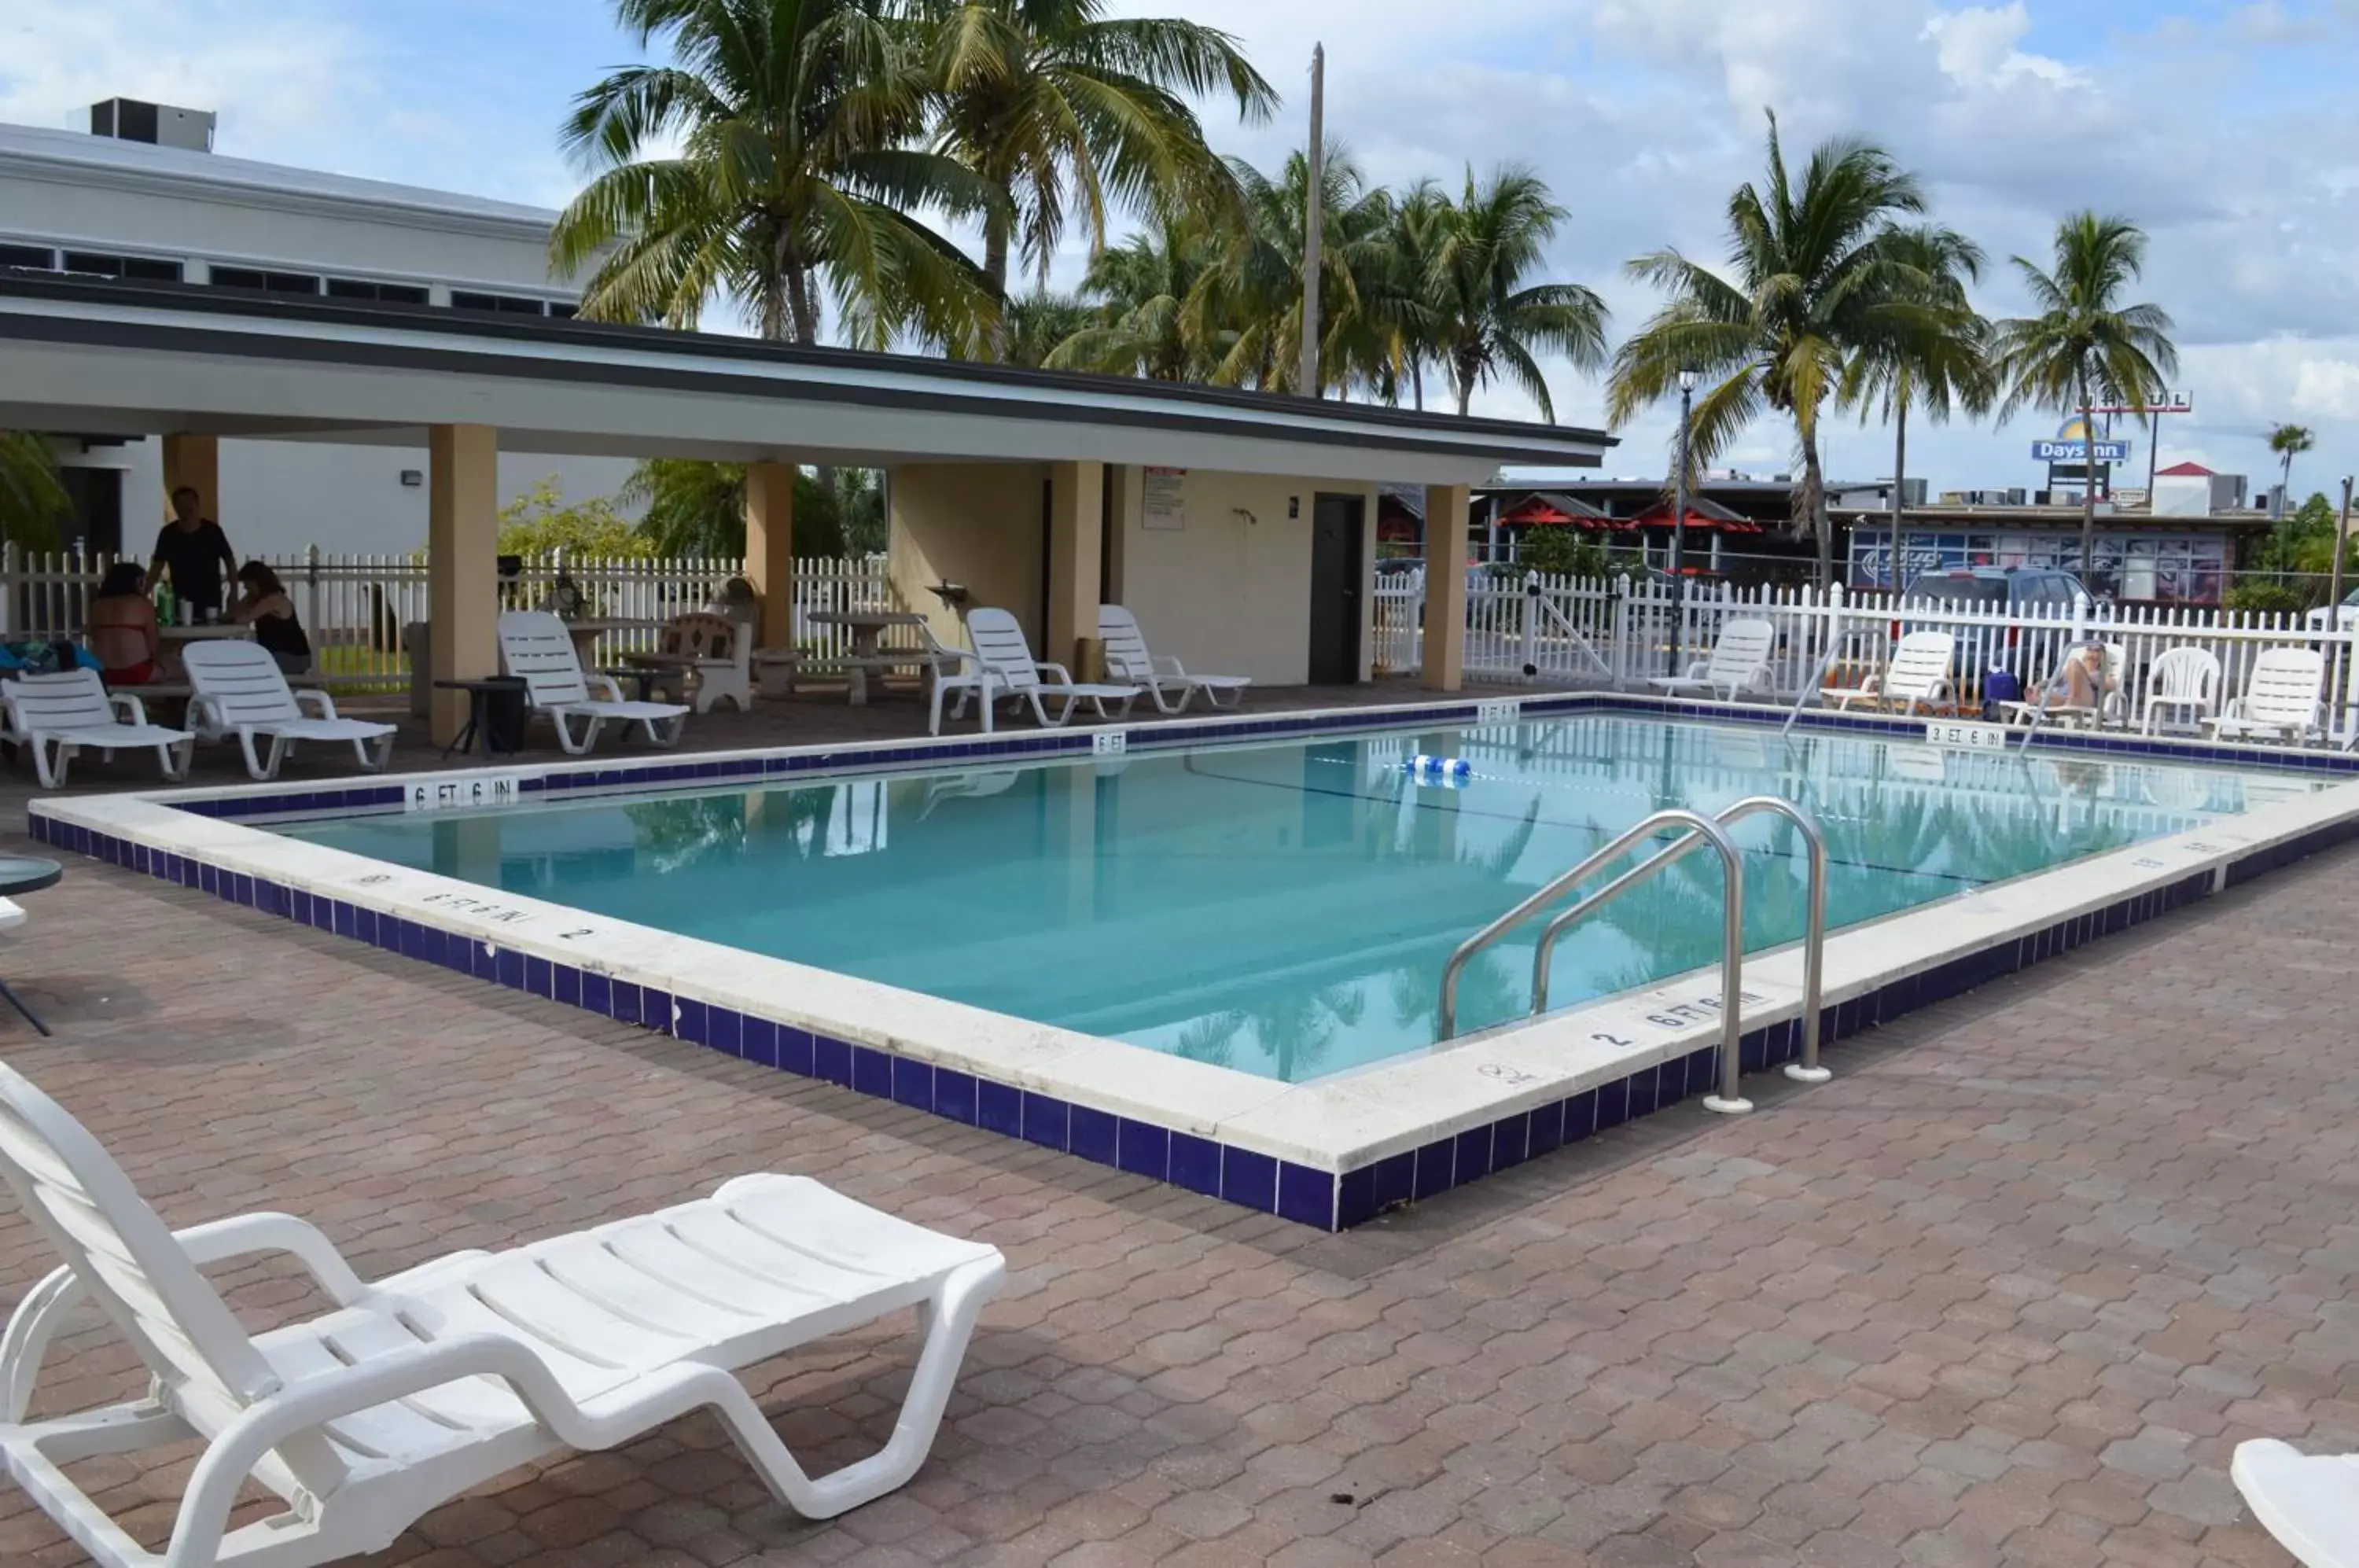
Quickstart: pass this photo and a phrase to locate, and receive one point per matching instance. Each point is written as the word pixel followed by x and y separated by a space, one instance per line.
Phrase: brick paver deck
pixel 2009 1289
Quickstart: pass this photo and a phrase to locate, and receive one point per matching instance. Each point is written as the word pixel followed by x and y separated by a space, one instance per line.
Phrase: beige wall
pixel 1223 594
pixel 973 523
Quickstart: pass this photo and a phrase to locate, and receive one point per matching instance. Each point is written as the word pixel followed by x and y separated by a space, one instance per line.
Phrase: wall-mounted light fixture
pixel 411 478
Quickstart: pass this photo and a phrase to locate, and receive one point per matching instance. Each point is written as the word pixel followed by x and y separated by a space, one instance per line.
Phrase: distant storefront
pixel 2158 565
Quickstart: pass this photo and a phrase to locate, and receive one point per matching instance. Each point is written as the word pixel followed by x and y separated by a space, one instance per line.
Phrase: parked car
pixel 2336 617
pixel 2041 592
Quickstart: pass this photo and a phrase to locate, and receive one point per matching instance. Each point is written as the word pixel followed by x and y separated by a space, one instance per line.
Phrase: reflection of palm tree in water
pixel 682 832
pixel 1491 989
pixel 1292 1029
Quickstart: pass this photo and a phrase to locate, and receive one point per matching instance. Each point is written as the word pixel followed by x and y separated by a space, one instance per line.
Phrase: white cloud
pixel 283 91
pixel 1976 47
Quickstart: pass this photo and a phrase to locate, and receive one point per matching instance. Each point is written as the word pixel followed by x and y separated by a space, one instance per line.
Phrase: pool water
pixel 1286 909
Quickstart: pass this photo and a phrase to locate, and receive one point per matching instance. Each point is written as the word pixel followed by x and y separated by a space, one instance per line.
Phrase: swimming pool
pixel 1228 901
pixel 1285 909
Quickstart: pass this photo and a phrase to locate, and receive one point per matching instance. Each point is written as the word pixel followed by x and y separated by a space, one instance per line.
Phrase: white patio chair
pixel 1127 660
pixel 2183 684
pixel 2281 699
pixel 240 691
pixel 55 715
pixel 427 1384
pixel 1739 661
pixel 1000 665
pixel 2309 1502
pixel 535 648
pixel 1918 671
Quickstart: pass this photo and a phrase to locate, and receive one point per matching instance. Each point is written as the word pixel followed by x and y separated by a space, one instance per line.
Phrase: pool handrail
pixel 1814 941
pixel 1731 958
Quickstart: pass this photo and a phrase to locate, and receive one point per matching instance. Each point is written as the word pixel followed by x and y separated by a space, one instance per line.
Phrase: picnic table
pixel 868 628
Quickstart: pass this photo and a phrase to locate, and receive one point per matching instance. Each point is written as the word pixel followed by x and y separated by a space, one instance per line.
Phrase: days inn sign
pixel 2071 445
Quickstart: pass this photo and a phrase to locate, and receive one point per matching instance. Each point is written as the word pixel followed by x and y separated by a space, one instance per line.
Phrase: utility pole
pixel 2334 572
pixel 1314 224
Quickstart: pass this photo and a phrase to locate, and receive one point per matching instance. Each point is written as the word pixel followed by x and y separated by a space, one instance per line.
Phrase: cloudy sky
pixel 2214 123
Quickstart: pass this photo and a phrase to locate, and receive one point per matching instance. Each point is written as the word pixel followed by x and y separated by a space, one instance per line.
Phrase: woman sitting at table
pixel 262 604
pixel 122 631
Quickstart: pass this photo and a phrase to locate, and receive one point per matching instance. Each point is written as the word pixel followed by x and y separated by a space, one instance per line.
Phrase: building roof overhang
pixel 119 358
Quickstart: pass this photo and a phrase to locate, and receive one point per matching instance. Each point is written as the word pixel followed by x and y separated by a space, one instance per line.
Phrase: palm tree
pixel 1490 321
pixel 1945 369
pixel 1251 297
pixel 1141 326
pixel 2287 442
pixel 1816 286
pixel 698 508
pixel 1033 326
pixel 1421 218
pixel 1060 110
pixel 791 177
pixel 2085 343
pixel 32 500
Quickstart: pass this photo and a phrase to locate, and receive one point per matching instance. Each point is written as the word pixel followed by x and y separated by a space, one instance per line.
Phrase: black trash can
pixel 504 715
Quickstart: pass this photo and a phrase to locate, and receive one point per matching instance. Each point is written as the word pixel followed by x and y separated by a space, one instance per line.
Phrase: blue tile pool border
pixel 1326 1199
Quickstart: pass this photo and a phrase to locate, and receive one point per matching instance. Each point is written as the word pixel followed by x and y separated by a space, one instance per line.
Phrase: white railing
pixel 356 607
pixel 1556 631
pixel 1399 624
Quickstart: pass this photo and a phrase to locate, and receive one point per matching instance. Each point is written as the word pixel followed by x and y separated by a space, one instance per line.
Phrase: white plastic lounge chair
pixel 1918 671
pixel 2183 685
pixel 54 716
pixel 1001 665
pixel 1127 660
pixel 1740 661
pixel 424 1385
pixel 535 648
pixel 2281 699
pixel 240 691
pixel 2309 1502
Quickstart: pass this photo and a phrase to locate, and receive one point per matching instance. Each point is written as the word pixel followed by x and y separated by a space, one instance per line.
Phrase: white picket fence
pixel 1617 632
pixel 356 607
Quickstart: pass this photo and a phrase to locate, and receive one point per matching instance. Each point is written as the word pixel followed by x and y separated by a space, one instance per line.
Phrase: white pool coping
pixel 1336 1124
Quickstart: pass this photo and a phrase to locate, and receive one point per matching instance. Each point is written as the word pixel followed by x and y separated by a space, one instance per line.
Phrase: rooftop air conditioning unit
pixel 160 124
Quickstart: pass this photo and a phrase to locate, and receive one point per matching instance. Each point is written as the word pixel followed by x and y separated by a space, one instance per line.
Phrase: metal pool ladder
pixel 1700 830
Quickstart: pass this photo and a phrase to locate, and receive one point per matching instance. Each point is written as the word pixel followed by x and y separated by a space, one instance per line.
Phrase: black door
pixel 1336 563
pixel 96 525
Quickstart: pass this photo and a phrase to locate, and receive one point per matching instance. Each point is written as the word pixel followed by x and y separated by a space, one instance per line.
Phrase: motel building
pixel 1239 527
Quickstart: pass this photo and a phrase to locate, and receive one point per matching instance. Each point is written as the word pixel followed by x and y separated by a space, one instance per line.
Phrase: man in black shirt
pixel 198 552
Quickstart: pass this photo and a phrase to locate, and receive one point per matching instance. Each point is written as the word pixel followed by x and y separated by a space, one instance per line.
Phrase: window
pixel 39 258
pixel 98 264
pixel 562 312
pixel 262 282
pixel 390 293
pixel 505 304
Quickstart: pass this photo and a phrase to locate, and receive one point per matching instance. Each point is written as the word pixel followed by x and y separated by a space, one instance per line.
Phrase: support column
pixel 463 533
pixel 770 547
pixel 193 461
pixel 1076 567
pixel 1445 587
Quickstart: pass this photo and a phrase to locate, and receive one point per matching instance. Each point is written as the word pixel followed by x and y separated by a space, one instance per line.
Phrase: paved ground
pixel 2010 1288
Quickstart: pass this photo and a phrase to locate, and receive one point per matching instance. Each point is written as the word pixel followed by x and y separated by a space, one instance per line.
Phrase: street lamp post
pixel 1688 379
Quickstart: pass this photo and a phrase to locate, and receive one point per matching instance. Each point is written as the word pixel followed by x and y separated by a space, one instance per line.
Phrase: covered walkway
pixel 1065 490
